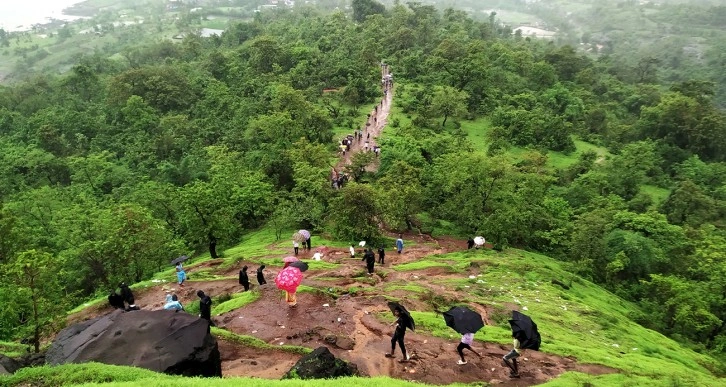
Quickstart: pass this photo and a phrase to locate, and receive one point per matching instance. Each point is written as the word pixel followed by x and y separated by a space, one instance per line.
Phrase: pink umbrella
pixel 289 259
pixel 289 279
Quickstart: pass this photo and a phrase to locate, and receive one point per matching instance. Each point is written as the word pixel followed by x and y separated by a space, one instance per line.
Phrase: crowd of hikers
pixel 123 298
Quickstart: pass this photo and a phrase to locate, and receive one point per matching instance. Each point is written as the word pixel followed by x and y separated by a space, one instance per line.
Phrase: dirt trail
pixel 377 120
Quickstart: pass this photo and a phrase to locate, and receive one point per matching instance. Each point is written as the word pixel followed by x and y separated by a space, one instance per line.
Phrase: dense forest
pixel 111 170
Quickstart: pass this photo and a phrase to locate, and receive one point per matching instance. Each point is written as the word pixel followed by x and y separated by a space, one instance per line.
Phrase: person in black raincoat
pixel 260 275
pixel 244 280
pixel 127 296
pixel 400 332
pixel 470 243
pixel 381 255
pixel 370 259
pixel 205 307
pixel 116 301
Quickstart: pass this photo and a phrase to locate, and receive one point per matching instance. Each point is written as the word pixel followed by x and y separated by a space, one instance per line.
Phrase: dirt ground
pixel 349 325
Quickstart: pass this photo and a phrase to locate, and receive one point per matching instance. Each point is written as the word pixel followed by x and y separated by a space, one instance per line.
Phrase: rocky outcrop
pixel 8 365
pixel 321 364
pixel 162 340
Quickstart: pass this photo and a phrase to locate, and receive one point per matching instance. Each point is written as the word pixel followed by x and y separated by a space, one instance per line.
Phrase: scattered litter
pixel 493 369
pixel 517 301
pixel 525 359
pixel 472 276
pixel 563 307
pixel 240 317
pixel 282 326
pixel 365 311
pixel 86 304
pixel 281 343
pixel 537 299
pixel 635 349
pixel 340 319
pixel 254 331
pixel 592 332
pixel 479 281
pixel 616 345
pixel 479 275
pixel 412 371
pixel 156 281
pixel 426 341
pixel 524 308
pixel 326 305
pixel 467 286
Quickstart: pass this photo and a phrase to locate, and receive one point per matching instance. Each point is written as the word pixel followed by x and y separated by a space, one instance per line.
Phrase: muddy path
pixel 355 326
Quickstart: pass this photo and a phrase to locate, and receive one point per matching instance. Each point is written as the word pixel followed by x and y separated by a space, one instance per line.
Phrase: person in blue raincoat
pixel 181 275
pixel 399 243
pixel 172 303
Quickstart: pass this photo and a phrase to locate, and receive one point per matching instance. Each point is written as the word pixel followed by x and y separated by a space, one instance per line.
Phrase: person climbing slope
pixel 467 339
pixel 244 279
pixel 261 275
pixel 370 259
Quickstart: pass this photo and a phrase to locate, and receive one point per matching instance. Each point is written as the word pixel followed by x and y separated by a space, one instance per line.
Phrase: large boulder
pixel 320 364
pixel 8 365
pixel 162 340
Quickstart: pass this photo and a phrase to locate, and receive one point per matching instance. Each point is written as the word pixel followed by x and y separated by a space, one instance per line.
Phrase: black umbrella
pixel 525 330
pixel 407 319
pixel 300 265
pixel 179 260
pixel 463 320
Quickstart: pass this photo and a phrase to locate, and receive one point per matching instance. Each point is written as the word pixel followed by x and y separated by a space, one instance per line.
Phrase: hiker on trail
pixel 467 339
pixel 381 255
pixel 181 275
pixel 115 300
pixel 127 296
pixel 352 251
pixel 366 145
pixel 399 243
pixel 309 244
pixel 513 355
pixel 205 307
pixel 172 303
pixel 368 137
pixel 260 275
pixel 399 334
pixel 470 243
pixel 295 246
pixel 370 259
pixel 244 279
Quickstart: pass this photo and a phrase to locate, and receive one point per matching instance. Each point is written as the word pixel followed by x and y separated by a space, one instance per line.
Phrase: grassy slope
pixel 585 322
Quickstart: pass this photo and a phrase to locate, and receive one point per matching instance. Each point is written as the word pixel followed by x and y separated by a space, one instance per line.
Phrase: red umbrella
pixel 289 279
pixel 289 259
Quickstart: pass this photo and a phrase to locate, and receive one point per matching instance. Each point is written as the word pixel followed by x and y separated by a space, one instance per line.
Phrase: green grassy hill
pixel 583 322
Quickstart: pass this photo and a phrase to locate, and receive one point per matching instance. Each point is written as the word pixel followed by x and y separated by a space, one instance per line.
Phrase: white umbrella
pixel 362 243
pixel 317 256
pixel 479 241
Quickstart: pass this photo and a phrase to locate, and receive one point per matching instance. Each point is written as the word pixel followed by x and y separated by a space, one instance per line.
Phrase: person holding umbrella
pixel 288 279
pixel 403 321
pixel 181 275
pixel 467 322
pixel 524 336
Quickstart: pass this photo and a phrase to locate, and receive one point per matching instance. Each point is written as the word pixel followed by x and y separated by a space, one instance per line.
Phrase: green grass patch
pixel 419 265
pixel 12 349
pixel 95 374
pixel 253 342
pixel 408 288
pixel 237 301
pixel 658 194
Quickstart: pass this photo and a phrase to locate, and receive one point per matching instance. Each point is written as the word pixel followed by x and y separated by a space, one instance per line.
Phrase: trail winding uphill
pixel 373 127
